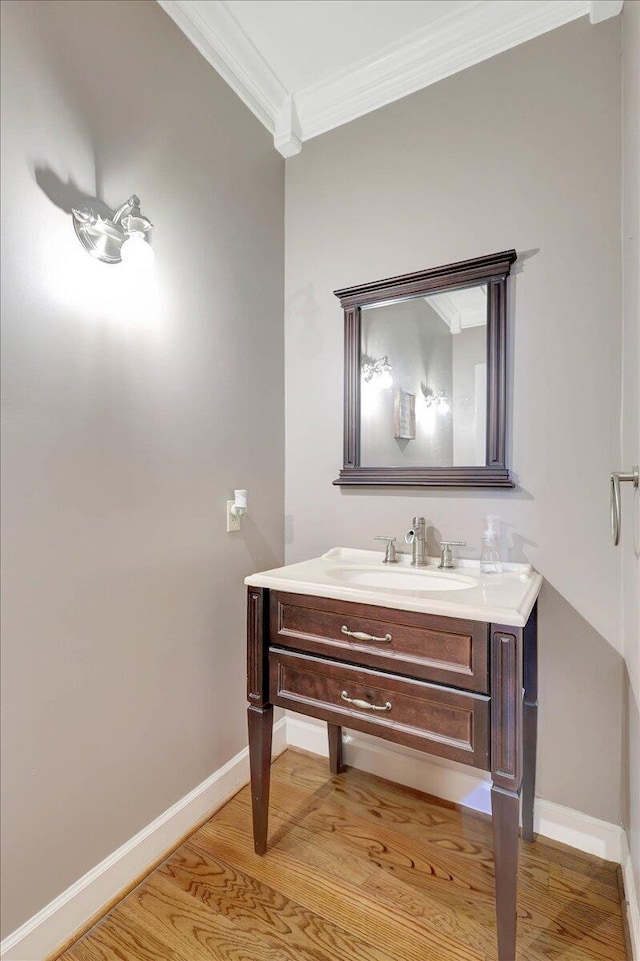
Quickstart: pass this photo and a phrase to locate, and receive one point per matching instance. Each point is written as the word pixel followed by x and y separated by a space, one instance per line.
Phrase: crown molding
pixel 478 31
pixel 600 10
pixel 286 138
pixel 222 42
pixel 462 39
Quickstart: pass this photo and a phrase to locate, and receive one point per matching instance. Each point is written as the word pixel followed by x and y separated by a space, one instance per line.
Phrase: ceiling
pixel 461 309
pixel 306 66
pixel 307 43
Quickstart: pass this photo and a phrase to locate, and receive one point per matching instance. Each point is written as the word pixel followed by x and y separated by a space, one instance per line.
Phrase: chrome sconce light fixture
pixel 438 401
pixel 120 239
pixel 381 369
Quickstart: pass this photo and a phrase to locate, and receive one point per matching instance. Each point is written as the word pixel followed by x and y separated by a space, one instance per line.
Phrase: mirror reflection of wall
pixel 436 349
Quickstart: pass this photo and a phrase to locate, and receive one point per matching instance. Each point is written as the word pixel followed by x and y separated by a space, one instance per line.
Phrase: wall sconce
pixel 120 239
pixel 381 369
pixel 439 401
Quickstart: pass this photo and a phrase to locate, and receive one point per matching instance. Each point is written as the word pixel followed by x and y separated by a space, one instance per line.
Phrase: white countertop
pixel 505 598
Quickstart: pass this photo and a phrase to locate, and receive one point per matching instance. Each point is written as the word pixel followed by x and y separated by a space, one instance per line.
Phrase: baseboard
pixel 579 830
pixel 51 927
pixel 632 901
pixel 454 782
pixel 70 911
pixel 443 779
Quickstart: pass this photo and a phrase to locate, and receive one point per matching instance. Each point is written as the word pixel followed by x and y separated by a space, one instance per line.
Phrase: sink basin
pixel 388 579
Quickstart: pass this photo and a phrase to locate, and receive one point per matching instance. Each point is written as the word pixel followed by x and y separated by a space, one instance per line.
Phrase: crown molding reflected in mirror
pixel 460 440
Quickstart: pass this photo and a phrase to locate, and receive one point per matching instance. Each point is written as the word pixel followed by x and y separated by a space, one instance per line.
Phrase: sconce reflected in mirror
pixel 436 400
pixel 379 372
pixel 120 239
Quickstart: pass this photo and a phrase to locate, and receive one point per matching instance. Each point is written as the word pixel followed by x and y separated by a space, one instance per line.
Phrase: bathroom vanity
pixel 441 661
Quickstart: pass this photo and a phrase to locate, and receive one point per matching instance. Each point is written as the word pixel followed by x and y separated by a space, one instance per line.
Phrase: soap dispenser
pixel 490 555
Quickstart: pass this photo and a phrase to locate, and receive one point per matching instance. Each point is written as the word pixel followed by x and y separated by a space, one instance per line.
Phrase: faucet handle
pixel 446 560
pixel 390 549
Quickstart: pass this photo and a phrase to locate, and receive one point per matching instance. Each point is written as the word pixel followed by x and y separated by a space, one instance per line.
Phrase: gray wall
pixel 521 151
pixel 132 410
pixel 630 540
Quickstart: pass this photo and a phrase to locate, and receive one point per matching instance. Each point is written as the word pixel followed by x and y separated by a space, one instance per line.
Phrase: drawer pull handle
pixel 360 636
pixel 364 705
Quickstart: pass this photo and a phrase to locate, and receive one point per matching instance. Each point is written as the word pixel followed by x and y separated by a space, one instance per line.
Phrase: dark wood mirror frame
pixel 491 270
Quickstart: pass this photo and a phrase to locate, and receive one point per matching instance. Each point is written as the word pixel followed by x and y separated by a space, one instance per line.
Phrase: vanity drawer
pixel 442 649
pixel 437 720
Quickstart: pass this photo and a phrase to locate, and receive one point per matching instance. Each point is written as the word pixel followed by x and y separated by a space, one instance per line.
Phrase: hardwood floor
pixel 358 869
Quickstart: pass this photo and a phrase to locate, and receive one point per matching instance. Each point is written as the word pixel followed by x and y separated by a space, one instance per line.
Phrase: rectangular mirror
pixel 425 377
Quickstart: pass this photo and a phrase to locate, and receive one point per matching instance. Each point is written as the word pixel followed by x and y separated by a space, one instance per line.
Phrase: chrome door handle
pixel 360 636
pixel 364 705
pixel 616 477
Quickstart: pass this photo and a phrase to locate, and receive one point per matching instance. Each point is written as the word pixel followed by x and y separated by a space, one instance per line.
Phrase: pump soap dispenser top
pixel 490 555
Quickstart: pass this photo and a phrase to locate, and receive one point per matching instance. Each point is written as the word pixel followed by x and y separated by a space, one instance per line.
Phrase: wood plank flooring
pixel 358 869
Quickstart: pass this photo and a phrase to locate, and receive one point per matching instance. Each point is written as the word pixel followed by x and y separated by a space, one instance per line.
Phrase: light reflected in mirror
pixel 423 365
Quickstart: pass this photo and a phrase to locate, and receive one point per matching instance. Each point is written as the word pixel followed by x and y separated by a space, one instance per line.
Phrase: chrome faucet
pixel 417 537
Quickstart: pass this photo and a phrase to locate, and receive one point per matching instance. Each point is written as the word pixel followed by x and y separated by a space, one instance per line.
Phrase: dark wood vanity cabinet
pixel 459 689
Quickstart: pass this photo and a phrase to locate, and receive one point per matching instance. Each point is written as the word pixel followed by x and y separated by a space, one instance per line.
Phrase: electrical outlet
pixel 233 522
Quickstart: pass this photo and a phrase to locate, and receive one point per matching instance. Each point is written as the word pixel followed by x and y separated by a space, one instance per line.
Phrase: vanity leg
pixel 260 730
pixel 505 809
pixel 336 765
pixel 529 722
